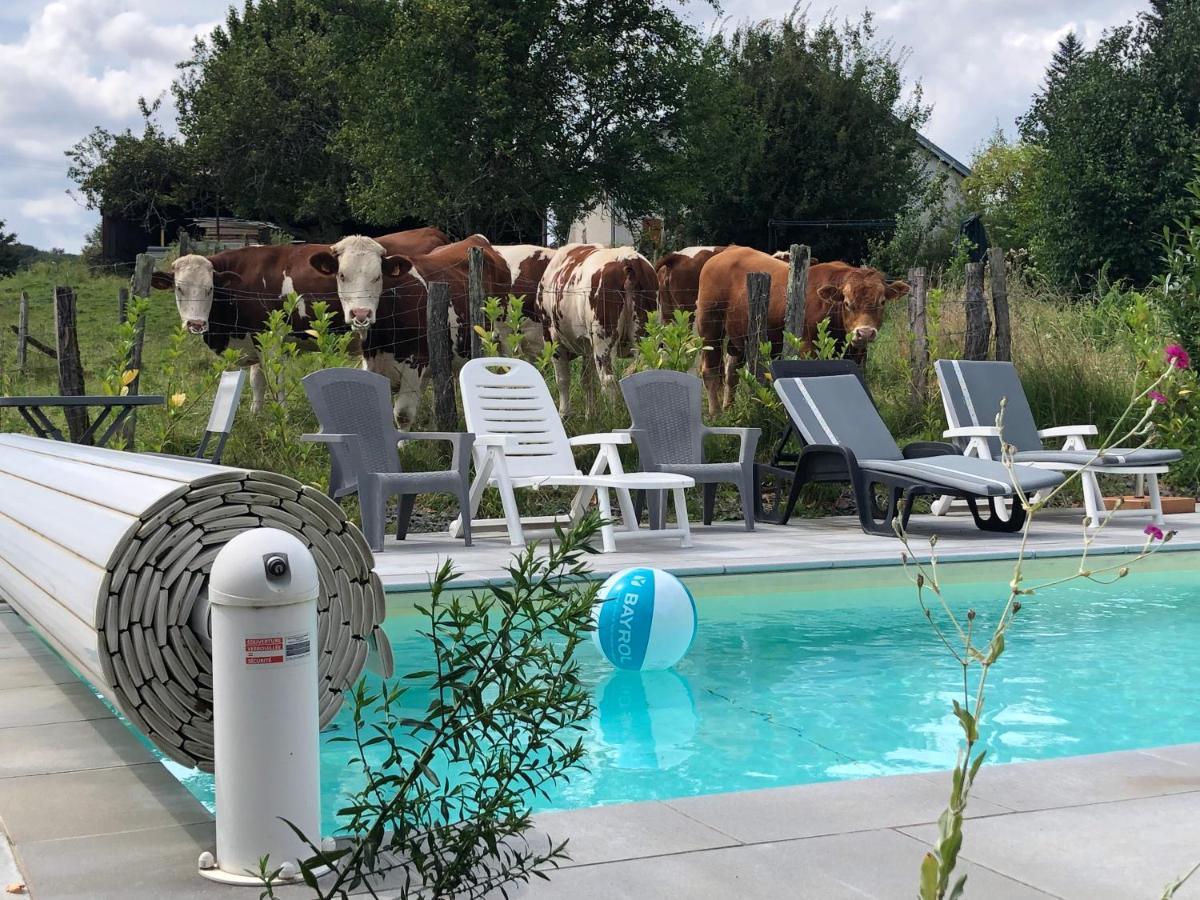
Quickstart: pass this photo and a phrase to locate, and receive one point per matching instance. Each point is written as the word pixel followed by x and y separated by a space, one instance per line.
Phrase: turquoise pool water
pixel 806 677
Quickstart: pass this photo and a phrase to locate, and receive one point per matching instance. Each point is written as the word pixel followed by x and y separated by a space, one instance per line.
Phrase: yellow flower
pixel 128 375
pixel 178 400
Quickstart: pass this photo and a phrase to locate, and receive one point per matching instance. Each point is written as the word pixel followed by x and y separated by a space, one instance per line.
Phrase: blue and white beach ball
pixel 645 619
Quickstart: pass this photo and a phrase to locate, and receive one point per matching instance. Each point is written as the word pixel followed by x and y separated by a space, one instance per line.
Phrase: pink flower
pixel 1178 357
pixel 1156 397
pixel 1153 531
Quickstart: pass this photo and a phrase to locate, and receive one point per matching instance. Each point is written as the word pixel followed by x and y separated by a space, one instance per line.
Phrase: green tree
pixel 1117 128
pixel 260 102
pixel 483 116
pixel 1003 187
pixel 827 130
pixel 144 179
pixel 10 251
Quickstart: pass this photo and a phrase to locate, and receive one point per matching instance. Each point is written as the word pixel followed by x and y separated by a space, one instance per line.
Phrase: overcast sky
pixel 68 65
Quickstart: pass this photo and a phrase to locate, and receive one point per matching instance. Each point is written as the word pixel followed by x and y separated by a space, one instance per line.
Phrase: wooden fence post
pixel 979 325
pixel 143 270
pixel 797 288
pixel 918 328
pixel 999 277
pixel 70 367
pixel 445 414
pixel 22 331
pixel 475 296
pixel 122 303
pixel 185 242
pixel 758 296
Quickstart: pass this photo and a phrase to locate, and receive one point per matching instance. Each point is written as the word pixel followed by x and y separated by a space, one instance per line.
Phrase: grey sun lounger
pixel 838 421
pixel 972 392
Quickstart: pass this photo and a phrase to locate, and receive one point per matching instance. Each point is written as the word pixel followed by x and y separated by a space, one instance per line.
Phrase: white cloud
pixel 68 65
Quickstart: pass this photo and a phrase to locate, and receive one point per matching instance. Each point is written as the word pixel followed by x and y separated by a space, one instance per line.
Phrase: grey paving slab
pixel 1106 851
pixel 829 808
pixel 150 864
pixel 68 747
pixel 95 801
pixel 867 864
pixel 9 872
pixel 1074 780
pixel 629 830
pixel 49 704
pixel 19 644
pixel 34 671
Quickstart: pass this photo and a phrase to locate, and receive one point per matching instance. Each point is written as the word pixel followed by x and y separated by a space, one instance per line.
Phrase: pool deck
pixel 89 813
pixel 726 548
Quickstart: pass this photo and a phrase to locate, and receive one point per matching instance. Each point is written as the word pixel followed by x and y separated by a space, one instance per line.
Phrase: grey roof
pixel 934 150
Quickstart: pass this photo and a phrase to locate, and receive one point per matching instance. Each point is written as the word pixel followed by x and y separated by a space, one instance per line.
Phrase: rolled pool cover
pixel 107 555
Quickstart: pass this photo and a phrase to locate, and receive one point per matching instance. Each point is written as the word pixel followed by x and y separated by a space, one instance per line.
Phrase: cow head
pixel 360 266
pixel 860 299
pixel 194 280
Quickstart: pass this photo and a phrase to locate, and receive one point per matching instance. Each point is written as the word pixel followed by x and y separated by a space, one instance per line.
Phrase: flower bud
pixel 1016 607
pixel 970 615
pixel 1123 571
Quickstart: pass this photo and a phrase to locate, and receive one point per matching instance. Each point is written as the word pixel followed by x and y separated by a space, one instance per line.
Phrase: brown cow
pixel 679 278
pixel 396 344
pixel 526 265
pixel 415 241
pixel 227 297
pixel 595 299
pixel 850 297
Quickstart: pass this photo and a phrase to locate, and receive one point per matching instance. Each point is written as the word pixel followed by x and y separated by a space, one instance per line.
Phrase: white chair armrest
pixel 1068 431
pixel 972 431
pixel 612 437
pixel 501 441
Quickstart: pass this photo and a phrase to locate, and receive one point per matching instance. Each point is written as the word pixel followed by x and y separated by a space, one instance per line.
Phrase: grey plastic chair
pixel 220 419
pixel 354 408
pixel 839 423
pixel 665 408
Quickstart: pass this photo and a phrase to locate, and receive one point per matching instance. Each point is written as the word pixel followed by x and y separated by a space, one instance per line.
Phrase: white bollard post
pixel 263 599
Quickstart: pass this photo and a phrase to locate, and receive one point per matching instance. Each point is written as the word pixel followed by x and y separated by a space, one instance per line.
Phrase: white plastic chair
pixel 520 443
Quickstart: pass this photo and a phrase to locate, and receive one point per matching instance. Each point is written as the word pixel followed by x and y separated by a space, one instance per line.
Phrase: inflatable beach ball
pixel 645 619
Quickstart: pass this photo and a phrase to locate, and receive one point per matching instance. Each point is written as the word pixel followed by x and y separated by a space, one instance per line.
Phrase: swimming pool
pixel 813 676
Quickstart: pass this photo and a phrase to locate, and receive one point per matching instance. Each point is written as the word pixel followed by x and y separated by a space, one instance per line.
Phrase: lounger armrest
pixel 501 441
pixel 923 449
pixel 611 437
pixel 748 440
pixel 1068 431
pixel 973 431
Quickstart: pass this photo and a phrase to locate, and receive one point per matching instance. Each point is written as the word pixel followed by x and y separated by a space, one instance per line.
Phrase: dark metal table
pixel 33 411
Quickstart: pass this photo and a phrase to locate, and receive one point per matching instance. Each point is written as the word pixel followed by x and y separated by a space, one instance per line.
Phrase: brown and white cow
pixel 227 297
pixel 679 278
pixel 396 342
pixel 595 299
pixel 526 265
pixel 850 297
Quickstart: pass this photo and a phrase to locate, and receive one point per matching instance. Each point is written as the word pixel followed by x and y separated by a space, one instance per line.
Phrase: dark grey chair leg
pixel 749 493
pixel 404 515
pixel 372 504
pixel 464 509
pixel 710 501
pixel 656 501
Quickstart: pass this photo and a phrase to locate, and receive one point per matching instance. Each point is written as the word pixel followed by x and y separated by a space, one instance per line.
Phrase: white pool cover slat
pixel 107 555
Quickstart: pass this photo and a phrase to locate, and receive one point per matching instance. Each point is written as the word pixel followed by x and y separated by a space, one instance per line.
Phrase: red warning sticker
pixel 264 650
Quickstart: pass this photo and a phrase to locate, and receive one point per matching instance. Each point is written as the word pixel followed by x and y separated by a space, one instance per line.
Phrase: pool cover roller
pixel 107 554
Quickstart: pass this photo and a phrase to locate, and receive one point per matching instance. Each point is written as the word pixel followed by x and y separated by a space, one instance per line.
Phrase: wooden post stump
pixel 979 324
pixel 22 331
pixel 445 413
pixel 797 288
pixel 999 278
pixel 70 367
pixel 143 270
pixel 185 242
pixel 758 294
pixel 918 329
pixel 475 296
pixel 122 303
